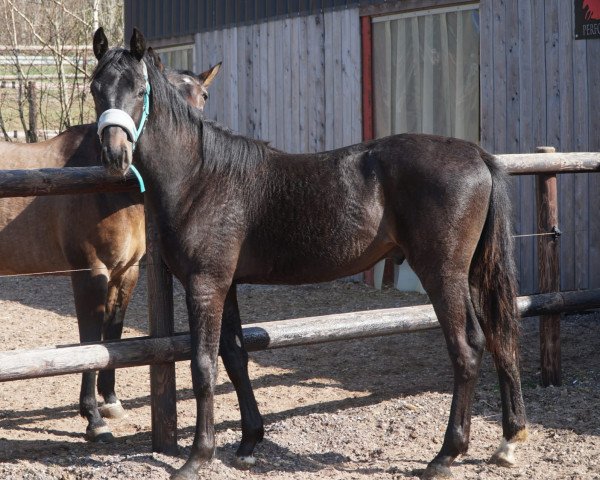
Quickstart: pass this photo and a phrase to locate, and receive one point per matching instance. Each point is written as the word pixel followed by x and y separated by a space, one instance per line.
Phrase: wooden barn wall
pixel 293 82
pixel 540 86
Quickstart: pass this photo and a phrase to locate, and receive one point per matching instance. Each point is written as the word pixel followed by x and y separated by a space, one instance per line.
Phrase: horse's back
pixel 338 212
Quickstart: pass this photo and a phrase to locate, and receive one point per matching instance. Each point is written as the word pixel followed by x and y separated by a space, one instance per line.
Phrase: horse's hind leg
pixel 90 294
pixel 120 290
pixel 235 360
pixel 466 342
pixel 514 428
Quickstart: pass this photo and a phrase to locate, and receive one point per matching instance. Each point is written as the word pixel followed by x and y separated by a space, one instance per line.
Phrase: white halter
pixel 117 117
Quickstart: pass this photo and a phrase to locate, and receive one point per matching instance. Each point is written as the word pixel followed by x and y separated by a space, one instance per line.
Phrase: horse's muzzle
pixel 116 153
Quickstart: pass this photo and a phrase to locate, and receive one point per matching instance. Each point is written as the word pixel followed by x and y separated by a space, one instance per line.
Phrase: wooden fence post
pixel 161 324
pixel 549 273
pixel 31 133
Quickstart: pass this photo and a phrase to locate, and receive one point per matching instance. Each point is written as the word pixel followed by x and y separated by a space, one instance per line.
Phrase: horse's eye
pixel 205 96
pixel 142 92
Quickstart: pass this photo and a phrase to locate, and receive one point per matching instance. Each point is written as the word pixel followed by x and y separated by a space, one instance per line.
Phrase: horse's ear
pixel 207 77
pixel 100 43
pixel 137 44
pixel 156 59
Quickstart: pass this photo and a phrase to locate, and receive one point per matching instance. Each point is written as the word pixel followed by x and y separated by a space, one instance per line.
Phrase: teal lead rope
pixel 139 178
pixel 139 130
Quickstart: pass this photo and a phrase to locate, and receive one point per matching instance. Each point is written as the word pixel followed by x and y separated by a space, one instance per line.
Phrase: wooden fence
pixel 162 348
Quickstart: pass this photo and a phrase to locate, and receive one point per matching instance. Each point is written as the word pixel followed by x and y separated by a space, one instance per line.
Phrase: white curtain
pixel 426 80
pixel 426 73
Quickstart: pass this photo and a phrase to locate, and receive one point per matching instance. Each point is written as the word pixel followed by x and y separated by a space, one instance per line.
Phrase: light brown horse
pixel 100 236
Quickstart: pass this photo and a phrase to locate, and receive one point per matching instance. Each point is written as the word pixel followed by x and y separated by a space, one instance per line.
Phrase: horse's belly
pixel 314 260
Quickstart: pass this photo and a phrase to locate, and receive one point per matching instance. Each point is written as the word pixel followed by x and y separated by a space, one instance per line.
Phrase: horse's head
pixel 121 95
pixel 193 88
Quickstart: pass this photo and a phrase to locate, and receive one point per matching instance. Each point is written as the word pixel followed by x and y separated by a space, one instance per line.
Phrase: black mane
pixel 222 149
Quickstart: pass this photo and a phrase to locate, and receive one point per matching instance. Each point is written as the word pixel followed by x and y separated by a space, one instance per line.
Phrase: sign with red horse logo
pixel 587 19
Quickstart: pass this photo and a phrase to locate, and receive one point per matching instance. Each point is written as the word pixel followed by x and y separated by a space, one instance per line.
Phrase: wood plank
pixel 243 99
pixel 551 39
pixel 256 114
pixel 329 81
pixel 583 222
pixel 286 66
pixel 231 92
pixel 278 71
pixel 316 86
pixel 344 111
pixel 294 140
pixel 218 97
pixel 355 77
pixel 593 80
pixel 367 78
pixel 499 66
pixel 538 65
pixel 303 98
pixel 566 183
pixel 486 75
pixel 272 76
pixel 339 99
pixel 526 224
pixel 524 261
pixel 263 79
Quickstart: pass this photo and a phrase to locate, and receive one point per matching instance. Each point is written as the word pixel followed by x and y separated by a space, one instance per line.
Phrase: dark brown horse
pixel 101 235
pixel 232 210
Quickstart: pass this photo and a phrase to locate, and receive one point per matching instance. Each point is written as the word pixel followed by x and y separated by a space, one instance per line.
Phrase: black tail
pixel 493 272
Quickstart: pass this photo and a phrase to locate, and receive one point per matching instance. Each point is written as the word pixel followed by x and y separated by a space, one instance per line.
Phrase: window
pixel 426 72
pixel 180 57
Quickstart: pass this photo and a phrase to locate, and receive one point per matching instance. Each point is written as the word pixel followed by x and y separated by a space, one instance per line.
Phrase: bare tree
pixel 49 42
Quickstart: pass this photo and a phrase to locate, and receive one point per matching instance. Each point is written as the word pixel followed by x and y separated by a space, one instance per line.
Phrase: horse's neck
pixel 168 165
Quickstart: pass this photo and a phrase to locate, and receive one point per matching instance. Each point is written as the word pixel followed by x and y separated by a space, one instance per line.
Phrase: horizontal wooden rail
pixel 63 181
pixel 60 360
pixel 533 163
pixel 70 180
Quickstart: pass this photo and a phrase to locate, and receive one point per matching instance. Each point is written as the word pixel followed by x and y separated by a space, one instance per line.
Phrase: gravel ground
pixel 373 408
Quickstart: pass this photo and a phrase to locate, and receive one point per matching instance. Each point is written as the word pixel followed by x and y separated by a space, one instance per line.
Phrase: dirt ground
pixel 372 409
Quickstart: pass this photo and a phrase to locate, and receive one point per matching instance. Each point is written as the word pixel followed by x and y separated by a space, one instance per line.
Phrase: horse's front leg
pixel 90 296
pixel 204 297
pixel 235 359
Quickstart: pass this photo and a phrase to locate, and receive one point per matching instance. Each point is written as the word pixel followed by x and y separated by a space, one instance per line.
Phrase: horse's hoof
pixel 244 462
pixel 112 410
pixel 185 473
pixel 505 455
pixel 435 470
pixel 99 435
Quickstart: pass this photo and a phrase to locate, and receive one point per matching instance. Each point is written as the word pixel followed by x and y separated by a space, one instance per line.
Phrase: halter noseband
pixel 120 118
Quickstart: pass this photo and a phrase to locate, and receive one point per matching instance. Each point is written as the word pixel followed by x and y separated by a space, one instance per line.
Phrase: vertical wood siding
pixel 538 84
pixel 294 82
